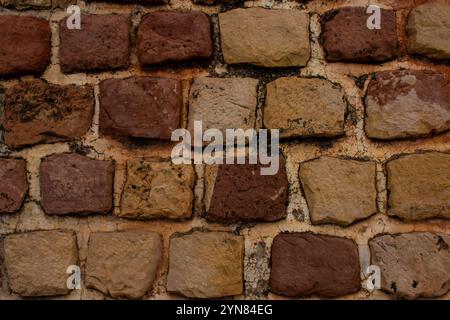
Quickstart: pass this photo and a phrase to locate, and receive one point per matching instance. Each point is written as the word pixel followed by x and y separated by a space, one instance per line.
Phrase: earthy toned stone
pixel 429 29
pixel 157 189
pixel 407 103
pixel 346 37
pixel 206 265
pixel 72 183
pixel 305 107
pixel 2 264
pixel 241 193
pixel 142 107
pixel 36 262
pixel 38 112
pixel 419 186
pixel 24 44
pixel 413 265
pixel 103 42
pixel 268 38
pixel 13 184
pixel 123 264
pixel 173 36
pixel 223 103
pixel 338 190
pixel 305 264
pixel 26 4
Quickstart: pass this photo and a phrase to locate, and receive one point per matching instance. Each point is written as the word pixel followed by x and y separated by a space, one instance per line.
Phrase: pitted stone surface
pixel 13 184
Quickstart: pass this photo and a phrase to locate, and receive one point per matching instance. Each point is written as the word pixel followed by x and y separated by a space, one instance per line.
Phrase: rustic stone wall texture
pixel 86 177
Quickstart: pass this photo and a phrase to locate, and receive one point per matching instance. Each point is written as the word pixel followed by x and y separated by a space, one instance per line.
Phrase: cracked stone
pixel 13 184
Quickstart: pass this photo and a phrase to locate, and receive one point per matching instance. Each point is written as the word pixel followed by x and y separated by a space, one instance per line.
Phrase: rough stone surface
pixel 13 184
pixel 141 107
pixel 158 189
pixel 305 264
pixel 123 264
pixel 36 262
pixel 419 186
pixel 407 103
pixel 223 103
pixel 413 265
pixel 38 112
pixel 268 38
pixel 206 265
pixel 346 37
pixel 103 42
pixel 240 193
pixel 339 191
pixel 173 36
pixel 428 30
pixel 25 44
pixel 305 107
pixel 72 183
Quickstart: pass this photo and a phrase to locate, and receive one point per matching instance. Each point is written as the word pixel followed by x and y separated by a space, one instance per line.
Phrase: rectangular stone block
pixel 13 184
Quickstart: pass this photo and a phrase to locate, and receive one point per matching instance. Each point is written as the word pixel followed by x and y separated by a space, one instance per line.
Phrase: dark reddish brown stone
pixel 72 183
pixel 24 44
pixel 241 193
pixel 38 112
pixel 13 184
pixel 306 264
pixel 345 36
pixel 173 36
pixel 103 42
pixel 140 107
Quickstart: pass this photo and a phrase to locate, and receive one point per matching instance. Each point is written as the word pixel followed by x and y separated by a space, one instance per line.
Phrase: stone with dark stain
pixel 13 184
pixel 39 112
pixel 75 184
pixel 305 264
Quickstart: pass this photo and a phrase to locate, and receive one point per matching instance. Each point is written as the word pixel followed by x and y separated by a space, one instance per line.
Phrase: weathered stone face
pixel 407 103
pixel 158 189
pixel 36 262
pixel 38 112
pixel 419 186
pixel 206 265
pixel 304 107
pixel 241 193
pixel 25 44
pixel 267 38
pixel 413 265
pixel 72 183
pixel 339 191
pixel 123 264
pixel 141 107
pixel 103 42
pixel 13 184
pixel 428 29
pixel 26 4
pixel 346 37
pixel 305 264
pixel 173 36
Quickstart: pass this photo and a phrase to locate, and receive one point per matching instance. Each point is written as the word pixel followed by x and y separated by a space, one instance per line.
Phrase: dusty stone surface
pixel 173 36
pixel 419 186
pixel 25 44
pixel 123 264
pixel 72 183
pixel 267 38
pixel 305 264
pixel 428 29
pixel 206 265
pixel 158 189
pixel 339 191
pixel 407 103
pixel 13 184
pixel 143 107
pixel 25 4
pixel 346 37
pixel 223 103
pixel 103 42
pixel 305 107
pixel 38 112
pixel 36 262
pixel 413 265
